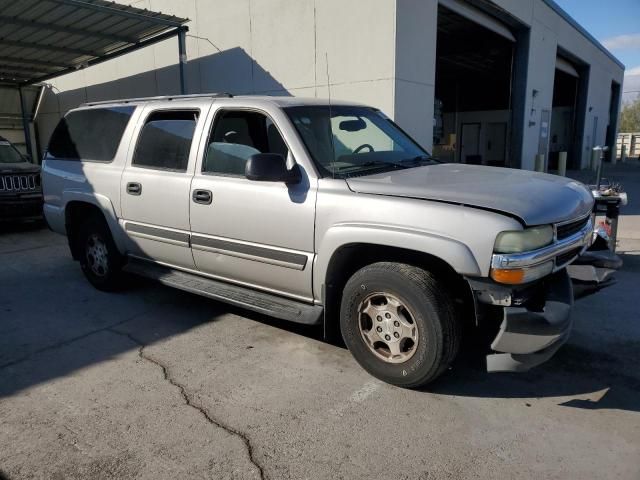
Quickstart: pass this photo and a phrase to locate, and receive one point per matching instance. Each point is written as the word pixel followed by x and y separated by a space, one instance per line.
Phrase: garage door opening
pixel 563 114
pixel 474 69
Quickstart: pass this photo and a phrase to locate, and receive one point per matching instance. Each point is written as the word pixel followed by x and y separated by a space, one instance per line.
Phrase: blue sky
pixel 616 23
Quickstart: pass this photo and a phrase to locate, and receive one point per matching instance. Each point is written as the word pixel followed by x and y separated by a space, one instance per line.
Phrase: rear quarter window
pixel 92 134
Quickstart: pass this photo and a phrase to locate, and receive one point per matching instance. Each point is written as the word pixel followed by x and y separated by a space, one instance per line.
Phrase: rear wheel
pixel 100 259
pixel 399 324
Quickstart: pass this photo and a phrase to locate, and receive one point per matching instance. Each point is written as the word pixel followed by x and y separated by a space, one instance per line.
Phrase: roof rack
pixel 167 98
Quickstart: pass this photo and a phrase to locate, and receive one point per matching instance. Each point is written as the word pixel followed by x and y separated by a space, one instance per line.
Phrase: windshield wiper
pixel 418 159
pixel 373 163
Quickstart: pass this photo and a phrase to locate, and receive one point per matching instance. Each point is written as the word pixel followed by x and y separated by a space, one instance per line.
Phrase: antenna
pixel 333 146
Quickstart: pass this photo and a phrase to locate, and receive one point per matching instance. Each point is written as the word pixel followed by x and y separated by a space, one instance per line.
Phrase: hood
pixel 534 198
pixel 20 167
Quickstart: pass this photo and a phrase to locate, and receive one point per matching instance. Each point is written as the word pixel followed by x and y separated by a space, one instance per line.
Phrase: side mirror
pixel 270 167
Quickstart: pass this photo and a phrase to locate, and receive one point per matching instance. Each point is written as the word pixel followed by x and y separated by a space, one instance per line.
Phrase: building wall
pixel 379 52
pixel 415 72
pixel 549 31
pixel 275 47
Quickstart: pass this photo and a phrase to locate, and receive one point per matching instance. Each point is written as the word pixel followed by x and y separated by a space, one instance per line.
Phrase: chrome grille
pixel 568 257
pixel 20 183
pixel 565 230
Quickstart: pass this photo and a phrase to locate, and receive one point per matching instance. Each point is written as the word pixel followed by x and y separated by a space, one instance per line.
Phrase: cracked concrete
pixel 188 401
pixel 153 383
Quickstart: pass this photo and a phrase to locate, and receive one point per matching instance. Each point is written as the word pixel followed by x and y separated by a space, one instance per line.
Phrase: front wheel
pixel 100 260
pixel 399 324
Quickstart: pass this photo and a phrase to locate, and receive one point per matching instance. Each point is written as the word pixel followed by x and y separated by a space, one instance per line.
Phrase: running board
pixel 268 304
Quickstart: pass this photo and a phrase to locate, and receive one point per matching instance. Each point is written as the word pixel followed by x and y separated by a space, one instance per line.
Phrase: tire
pixel 425 323
pixel 100 260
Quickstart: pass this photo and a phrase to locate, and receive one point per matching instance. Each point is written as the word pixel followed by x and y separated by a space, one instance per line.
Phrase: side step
pixel 268 304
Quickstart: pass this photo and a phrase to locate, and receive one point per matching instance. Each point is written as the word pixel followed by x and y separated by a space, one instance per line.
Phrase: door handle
pixel 134 188
pixel 202 196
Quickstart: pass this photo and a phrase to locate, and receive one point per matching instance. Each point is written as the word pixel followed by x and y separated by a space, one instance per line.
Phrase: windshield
pixel 9 154
pixel 356 141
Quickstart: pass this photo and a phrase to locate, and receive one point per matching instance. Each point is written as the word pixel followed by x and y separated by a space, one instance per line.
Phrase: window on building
pixel 236 136
pixel 165 140
pixel 92 134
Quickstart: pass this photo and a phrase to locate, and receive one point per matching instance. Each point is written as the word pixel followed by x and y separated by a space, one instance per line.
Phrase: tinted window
pixel 165 140
pixel 236 136
pixel 92 134
pixel 9 154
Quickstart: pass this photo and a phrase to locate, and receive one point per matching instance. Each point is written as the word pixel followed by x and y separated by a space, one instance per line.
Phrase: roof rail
pixel 162 97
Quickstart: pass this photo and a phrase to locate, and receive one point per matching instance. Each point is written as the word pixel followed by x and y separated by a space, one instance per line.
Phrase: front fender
pixel 455 253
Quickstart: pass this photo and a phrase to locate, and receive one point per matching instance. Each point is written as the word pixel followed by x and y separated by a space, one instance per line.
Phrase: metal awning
pixel 42 39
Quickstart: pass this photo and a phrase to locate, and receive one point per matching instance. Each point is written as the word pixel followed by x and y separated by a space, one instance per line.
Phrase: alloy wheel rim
pixel 388 327
pixel 97 255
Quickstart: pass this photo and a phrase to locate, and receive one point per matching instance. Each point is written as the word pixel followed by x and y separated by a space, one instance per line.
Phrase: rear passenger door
pixel 156 183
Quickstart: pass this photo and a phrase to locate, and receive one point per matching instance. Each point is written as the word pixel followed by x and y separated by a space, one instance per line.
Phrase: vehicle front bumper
pixel 16 207
pixel 531 333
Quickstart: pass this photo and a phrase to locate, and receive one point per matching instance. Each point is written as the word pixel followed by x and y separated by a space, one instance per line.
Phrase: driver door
pixel 257 234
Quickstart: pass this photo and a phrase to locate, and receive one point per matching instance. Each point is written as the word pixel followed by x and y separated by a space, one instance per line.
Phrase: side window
pixel 165 140
pixel 91 134
pixel 236 136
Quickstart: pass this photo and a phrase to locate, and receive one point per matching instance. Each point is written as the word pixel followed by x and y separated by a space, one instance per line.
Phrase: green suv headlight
pixel 524 240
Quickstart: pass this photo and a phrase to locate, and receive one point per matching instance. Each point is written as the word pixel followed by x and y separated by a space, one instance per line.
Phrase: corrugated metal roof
pixel 41 39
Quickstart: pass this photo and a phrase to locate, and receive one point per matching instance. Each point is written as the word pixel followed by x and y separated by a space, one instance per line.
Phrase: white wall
pixel 415 67
pixel 275 47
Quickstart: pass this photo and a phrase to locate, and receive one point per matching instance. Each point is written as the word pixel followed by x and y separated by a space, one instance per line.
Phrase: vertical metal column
pixel 182 52
pixel 25 124
pixel 520 74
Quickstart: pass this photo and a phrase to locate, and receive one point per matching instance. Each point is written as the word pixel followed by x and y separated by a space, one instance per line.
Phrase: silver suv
pixel 323 214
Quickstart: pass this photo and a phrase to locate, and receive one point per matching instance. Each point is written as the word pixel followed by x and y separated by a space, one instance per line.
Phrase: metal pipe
pixel 38 102
pixel 562 164
pixel 623 154
pixel 25 124
pixel 36 110
pixel 595 156
pixel 603 152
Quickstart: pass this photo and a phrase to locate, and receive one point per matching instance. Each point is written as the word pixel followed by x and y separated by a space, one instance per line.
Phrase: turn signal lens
pixel 518 276
pixel 511 277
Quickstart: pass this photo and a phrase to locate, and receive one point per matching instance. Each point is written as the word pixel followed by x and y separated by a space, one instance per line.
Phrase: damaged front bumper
pixel 534 325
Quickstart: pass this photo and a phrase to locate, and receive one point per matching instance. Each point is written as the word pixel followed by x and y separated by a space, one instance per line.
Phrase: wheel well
pixel 348 259
pixel 75 214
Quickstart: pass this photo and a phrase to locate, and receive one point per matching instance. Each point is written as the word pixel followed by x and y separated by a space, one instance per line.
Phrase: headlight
pixel 524 240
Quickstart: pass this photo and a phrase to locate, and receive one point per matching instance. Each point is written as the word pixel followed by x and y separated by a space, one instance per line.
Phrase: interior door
pixel 257 234
pixel 156 183
pixel 470 143
pixel 496 143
